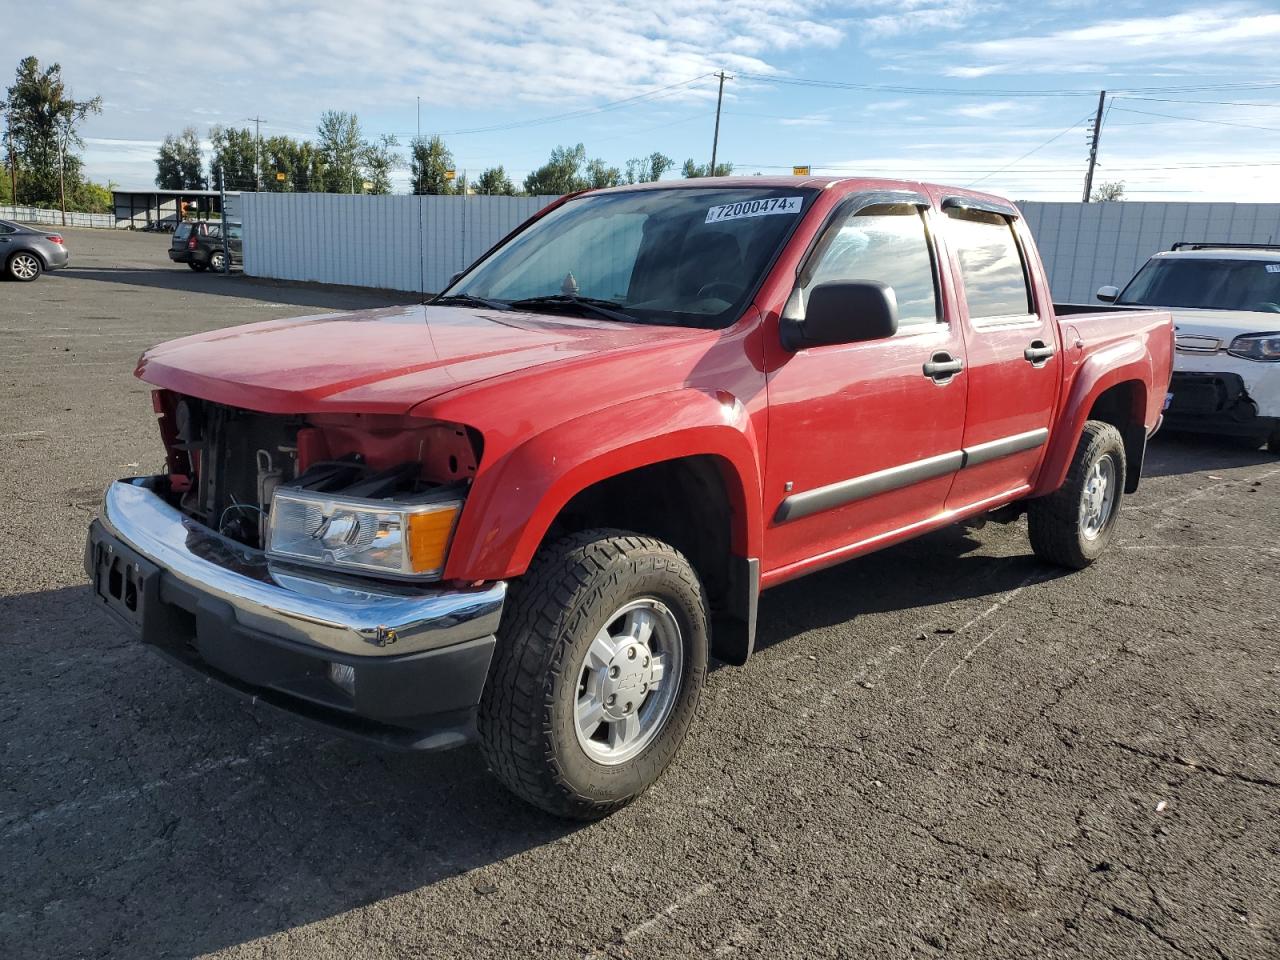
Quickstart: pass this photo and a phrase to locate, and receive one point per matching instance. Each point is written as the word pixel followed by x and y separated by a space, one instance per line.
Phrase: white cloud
pixel 891 18
pixel 985 111
pixel 1242 32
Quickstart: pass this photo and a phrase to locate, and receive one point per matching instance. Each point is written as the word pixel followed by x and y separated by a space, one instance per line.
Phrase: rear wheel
pixel 1273 442
pixel 1072 526
pixel 23 266
pixel 217 261
pixel 600 661
pixel 197 265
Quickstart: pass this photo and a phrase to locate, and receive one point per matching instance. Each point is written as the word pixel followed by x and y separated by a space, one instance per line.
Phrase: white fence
pixel 1087 245
pixel 417 243
pixel 40 215
pixel 395 242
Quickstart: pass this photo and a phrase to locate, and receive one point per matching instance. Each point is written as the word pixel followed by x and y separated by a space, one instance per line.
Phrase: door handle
pixel 942 366
pixel 1038 353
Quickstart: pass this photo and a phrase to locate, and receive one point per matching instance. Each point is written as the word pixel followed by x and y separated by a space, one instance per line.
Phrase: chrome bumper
pixel 291 603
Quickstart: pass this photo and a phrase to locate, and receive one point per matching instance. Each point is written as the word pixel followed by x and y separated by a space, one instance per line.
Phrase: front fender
pixel 514 500
pixel 1127 361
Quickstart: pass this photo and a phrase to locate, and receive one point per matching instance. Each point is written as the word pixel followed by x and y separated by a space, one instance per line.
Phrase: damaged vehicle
pixel 1225 300
pixel 529 511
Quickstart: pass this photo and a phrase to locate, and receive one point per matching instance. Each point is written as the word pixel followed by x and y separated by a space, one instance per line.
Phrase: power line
pixel 1056 136
pixel 1222 123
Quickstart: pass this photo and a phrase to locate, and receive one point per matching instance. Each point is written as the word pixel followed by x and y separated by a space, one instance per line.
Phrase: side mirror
pixel 843 312
pixel 1108 293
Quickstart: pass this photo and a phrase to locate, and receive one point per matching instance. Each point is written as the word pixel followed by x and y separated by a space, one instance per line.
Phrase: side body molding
pixel 858 488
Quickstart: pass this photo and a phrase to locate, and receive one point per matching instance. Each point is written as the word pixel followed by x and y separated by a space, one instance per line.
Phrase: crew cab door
pixel 1011 342
pixel 863 441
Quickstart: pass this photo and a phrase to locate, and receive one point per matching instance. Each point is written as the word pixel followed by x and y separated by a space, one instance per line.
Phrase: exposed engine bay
pixel 226 463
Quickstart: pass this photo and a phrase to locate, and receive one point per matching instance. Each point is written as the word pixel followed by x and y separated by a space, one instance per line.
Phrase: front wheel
pixel 600 661
pixel 1072 526
pixel 1273 442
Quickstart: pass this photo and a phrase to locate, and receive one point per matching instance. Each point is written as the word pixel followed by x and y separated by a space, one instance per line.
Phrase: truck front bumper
pixel 403 666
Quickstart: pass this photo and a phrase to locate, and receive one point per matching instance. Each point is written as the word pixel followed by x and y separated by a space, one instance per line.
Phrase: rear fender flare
pixel 1109 366
pixel 515 499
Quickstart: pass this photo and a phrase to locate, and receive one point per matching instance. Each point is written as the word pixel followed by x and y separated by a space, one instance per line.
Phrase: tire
pixel 1072 526
pixel 197 265
pixel 23 266
pixel 548 666
pixel 1273 443
pixel 217 261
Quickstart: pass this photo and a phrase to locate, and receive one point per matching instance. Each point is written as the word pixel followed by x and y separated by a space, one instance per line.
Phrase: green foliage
pixel 1111 190
pixel 647 169
pixel 599 174
pixel 692 170
pixel 179 164
pixel 339 144
pixel 234 154
pixel 378 160
pixel 43 120
pixel 91 197
pixel 429 159
pixel 560 174
pixel 495 182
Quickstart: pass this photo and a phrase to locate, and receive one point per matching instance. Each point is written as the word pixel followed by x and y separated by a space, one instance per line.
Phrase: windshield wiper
pixel 474 301
pixel 603 308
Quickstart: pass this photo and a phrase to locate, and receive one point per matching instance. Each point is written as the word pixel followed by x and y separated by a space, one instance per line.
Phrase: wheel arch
pixel 1114 386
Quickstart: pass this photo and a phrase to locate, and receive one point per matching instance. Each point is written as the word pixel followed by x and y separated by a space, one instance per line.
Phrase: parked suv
pixel 1225 300
pixel 198 244
pixel 530 510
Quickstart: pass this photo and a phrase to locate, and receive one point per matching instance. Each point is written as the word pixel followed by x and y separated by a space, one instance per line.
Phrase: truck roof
pixel 820 183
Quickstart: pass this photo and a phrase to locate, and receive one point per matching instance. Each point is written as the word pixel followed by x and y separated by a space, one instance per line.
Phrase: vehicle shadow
pixel 237 285
pixel 932 570
pixel 1171 454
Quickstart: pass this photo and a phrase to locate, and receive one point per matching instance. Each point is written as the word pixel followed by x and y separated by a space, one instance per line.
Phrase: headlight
pixel 365 536
pixel 1256 346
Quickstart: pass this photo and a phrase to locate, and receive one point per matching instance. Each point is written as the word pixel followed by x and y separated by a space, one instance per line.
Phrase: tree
pixel 179 165
pixel 1112 190
pixel 44 120
pixel 377 160
pixel 560 174
pixel 647 169
pixel 495 182
pixel 339 143
pixel 429 161
pixel 692 170
pixel 599 174
pixel 234 158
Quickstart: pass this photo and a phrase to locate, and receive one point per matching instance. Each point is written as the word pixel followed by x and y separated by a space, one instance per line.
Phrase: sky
pixel 995 95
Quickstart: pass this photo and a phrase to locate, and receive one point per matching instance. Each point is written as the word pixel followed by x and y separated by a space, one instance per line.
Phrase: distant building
pixel 138 209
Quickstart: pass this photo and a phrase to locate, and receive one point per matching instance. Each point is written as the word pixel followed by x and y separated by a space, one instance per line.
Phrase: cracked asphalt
pixel 945 749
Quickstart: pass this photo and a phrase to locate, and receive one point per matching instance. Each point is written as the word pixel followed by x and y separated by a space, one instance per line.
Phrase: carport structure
pixel 137 209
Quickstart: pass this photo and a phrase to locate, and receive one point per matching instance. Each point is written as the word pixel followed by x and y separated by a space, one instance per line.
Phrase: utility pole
pixel 13 170
pixel 257 151
pixel 419 136
pixel 1094 137
pixel 62 180
pixel 715 140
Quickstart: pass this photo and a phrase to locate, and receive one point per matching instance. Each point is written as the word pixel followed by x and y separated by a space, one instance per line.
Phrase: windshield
pixel 682 257
pixel 1207 284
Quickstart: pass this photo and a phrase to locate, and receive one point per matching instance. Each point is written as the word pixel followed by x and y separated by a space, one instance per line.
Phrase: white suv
pixel 1225 300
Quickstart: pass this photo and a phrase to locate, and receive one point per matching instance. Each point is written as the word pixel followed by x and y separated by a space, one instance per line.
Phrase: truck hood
pixel 380 361
pixel 1199 329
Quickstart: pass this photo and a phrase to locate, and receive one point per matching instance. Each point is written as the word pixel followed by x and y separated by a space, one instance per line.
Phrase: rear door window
pixel 991 265
pixel 182 232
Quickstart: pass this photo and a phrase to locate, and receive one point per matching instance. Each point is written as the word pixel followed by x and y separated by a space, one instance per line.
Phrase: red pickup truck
pixel 530 510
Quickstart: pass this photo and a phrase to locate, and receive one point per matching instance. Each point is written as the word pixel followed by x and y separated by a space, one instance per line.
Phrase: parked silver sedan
pixel 27 252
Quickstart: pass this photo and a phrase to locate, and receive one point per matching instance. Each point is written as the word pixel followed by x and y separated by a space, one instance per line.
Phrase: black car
pixel 26 252
pixel 198 244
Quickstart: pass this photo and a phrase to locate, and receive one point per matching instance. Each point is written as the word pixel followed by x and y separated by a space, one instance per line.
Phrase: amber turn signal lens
pixel 429 535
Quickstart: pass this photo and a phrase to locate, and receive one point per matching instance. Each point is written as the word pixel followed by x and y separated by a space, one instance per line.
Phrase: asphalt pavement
pixel 945 749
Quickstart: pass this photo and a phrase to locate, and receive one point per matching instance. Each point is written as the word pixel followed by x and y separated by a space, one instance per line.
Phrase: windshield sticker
pixel 1273 268
pixel 753 208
